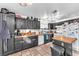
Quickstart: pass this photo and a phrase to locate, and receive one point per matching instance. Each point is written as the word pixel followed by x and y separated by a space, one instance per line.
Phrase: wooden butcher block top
pixel 65 39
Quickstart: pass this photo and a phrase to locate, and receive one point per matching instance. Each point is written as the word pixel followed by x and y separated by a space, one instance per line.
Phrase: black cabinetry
pixel 24 43
pixel 47 38
pixel 30 42
pixel 67 47
pixel 27 24
pixel 9 18
pixel 18 44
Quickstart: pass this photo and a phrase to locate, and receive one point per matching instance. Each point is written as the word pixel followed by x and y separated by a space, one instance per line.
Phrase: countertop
pixel 28 35
pixel 65 39
pixel 23 36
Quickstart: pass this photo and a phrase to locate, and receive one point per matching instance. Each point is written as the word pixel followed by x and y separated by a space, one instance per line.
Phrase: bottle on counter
pixel 18 32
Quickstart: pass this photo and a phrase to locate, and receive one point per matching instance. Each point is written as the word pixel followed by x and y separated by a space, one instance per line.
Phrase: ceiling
pixel 39 9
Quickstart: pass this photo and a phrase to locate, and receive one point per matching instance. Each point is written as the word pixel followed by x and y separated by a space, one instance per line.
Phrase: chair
pixel 57 50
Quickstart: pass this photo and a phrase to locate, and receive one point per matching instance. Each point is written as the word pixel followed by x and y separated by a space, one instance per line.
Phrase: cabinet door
pixel 19 23
pixel 30 42
pixel 26 22
pixel 68 49
pixel 10 19
pixel 34 24
pixel 34 40
pixel 27 43
pixel 1 47
pixel 29 24
pixel 40 39
pixel 38 24
pixel 10 44
pixel 18 44
pixel 0 36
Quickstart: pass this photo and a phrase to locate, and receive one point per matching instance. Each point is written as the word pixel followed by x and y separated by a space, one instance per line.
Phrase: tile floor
pixel 42 50
pixel 75 53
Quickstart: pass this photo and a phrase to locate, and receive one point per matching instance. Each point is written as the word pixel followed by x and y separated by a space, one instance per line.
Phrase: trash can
pixel 57 50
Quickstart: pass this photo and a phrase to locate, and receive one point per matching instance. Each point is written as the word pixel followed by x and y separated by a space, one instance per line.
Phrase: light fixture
pixel 25 4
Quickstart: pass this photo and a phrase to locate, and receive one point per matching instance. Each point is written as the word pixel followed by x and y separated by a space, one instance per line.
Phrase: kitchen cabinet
pixel 26 42
pixel 47 38
pixel 27 24
pixel 31 25
pixel 1 47
pixel 34 40
pixel 52 25
pixel 68 49
pixel 18 44
pixel 38 25
pixel 34 24
pixel 19 23
pixel 10 20
pixel 30 42
pixel 7 46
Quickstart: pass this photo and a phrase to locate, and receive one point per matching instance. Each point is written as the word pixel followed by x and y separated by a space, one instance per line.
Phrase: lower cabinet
pixel 18 44
pixel 34 40
pixel 24 43
pixel 47 38
pixel 68 49
pixel 6 46
pixel 14 45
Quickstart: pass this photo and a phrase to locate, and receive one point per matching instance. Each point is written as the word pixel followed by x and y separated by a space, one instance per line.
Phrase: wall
pixel 70 30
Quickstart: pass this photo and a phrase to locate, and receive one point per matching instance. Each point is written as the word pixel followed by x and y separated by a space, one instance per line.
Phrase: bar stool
pixel 57 50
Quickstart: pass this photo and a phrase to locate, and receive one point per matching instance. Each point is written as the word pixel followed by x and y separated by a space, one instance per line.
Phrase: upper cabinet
pixel 27 24
pixel 10 19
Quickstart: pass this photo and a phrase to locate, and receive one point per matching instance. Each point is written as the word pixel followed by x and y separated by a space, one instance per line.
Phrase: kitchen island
pixel 65 42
